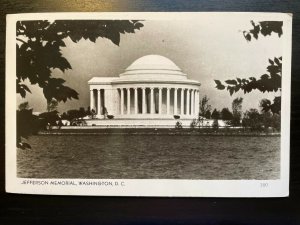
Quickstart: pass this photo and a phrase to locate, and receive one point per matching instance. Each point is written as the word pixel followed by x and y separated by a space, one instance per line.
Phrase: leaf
pixel 276 106
pixel 138 25
pixel 267 27
pixel 230 89
pixel 55 89
pixel 247 36
pixel 264 77
pixel 255 30
pixel 276 60
pixel 219 86
pixel 114 36
pixel 25 88
pixel 236 88
pixel 231 82
pixel 22 89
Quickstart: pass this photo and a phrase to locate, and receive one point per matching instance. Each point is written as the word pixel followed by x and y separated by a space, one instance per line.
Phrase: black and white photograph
pixel 148 104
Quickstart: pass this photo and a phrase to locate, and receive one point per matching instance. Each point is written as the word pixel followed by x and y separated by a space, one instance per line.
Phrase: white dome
pixel 153 66
pixel 150 62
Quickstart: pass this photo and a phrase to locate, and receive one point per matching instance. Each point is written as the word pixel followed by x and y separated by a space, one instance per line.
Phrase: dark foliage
pixel 215 114
pixel 52 105
pixel 274 107
pixel 39 46
pixel 110 116
pixel 176 117
pixel 27 124
pixel 265 28
pixel 178 125
pixel 49 118
pixel 236 111
pixel 252 119
pixel 226 114
pixel 38 53
pixel 207 114
pixel 204 107
pixel 268 82
pixel 73 114
pixel 258 121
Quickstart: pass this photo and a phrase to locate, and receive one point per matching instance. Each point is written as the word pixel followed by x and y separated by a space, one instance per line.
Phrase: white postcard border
pixel 145 187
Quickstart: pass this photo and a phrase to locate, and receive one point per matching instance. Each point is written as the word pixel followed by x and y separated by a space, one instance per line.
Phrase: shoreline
pixel 153 131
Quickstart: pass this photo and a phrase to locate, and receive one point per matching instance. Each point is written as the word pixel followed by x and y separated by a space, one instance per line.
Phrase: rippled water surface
pixel 150 156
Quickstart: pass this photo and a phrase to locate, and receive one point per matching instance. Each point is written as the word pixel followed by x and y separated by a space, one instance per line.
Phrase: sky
pixel 205 50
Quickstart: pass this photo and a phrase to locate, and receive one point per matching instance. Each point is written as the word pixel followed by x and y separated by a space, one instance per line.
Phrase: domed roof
pixel 150 62
pixel 153 66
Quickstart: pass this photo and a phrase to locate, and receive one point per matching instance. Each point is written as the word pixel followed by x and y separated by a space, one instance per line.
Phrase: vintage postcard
pixel 148 104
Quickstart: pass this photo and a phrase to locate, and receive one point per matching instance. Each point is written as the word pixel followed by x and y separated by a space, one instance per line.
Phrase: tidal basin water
pixel 150 157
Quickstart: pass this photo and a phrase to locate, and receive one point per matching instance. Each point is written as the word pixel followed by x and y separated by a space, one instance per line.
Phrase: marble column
pixel 188 102
pixel 122 101
pixel 168 101
pixel 92 106
pixel 159 100
pixel 175 101
pixel 128 100
pixel 185 101
pixel 135 101
pixel 197 103
pixel 192 102
pixel 151 101
pixel 99 102
pixel 182 101
pixel 144 100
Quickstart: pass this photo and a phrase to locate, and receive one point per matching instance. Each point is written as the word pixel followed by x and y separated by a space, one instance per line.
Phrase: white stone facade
pixel 152 87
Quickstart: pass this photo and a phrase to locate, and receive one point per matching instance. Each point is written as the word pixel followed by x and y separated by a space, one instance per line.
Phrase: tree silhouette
pixel 271 81
pixel 252 119
pixel 52 105
pixel 204 107
pixel 257 121
pixel 38 53
pixel 49 119
pixel 236 111
pixel 39 46
pixel 226 114
pixel 207 114
pixel 215 114
pixel 27 124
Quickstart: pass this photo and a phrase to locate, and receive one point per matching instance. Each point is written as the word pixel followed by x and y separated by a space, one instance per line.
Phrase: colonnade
pixel 98 107
pixel 188 105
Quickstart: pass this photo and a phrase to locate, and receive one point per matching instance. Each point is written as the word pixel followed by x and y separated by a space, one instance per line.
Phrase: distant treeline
pixel 253 118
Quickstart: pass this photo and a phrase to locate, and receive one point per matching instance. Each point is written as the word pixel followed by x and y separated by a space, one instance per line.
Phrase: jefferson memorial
pixel 152 92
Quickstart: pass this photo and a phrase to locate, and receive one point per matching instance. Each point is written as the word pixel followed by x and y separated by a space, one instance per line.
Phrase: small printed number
pixel 264 185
